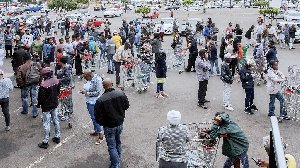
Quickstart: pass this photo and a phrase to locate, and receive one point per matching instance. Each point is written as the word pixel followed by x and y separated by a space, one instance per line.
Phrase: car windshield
pixel 167 21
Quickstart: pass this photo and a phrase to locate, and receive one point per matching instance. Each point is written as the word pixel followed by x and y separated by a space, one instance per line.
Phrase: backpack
pixel 32 75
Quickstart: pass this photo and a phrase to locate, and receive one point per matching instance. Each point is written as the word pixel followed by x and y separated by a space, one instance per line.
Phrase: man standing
pixel 235 143
pixel 110 113
pixel 117 39
pixel 17 57
pixel 226 77
pixel 67 26
pixel 175 30
pixel 202 66
pixel 47 99
pixel 271 52
pixel 192 46
pixel 275 77
pixel 27 39
pixel 259 29
pixel 5 87
pixel 162 31
pixel 28 77
pixel 122 54
pixel 110 51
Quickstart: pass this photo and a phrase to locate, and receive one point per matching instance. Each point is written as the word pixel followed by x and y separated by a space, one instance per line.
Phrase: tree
pixel 271 12
pixel 143 10
pixel 261 4
pixel 82 1
pixel 187 3
pixel 59 5
pixel 124 1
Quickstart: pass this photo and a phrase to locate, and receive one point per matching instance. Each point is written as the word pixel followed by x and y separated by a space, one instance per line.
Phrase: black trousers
pixel 78 66
pixel 8 48
pixel 191 61
pixel 202 91
pixel 117 68
pixel 5 109
pixel 234 65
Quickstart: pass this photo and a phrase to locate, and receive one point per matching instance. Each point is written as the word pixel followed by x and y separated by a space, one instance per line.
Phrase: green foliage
pixel 269 11
pixel 261 4
pixel 237 0
pixel 124 1
pixel 63 4
pixel 187 2
pixel 143 10
pixel 82 1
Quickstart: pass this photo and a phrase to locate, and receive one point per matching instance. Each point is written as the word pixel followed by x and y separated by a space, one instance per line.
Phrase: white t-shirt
pixel 161 28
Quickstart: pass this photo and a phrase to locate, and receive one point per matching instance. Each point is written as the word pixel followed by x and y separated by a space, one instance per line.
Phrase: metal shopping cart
pixel 62 108
pixel 129 73
pixel 87 61
pixel 201 151
pixel 291 92
pixel 259 69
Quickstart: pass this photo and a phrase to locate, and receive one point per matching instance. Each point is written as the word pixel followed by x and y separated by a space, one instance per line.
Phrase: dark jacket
pixel 161 67
pixel 47 96
pixel 64 75
pixel 226 74
pixel 156 45
pixel 248 33
pixel 110 108
pixel 17 57
pixel 21 74
pixel 213 53
pixel 235 142
pixel 246 78
pixel 271 54
pixel 292 32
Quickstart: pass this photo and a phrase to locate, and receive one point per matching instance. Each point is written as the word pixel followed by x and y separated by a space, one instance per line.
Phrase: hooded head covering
pixel 1 72
pixel 47 73
pixel 174 117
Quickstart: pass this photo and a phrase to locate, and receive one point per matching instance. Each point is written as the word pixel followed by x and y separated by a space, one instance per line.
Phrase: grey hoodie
pixel 110 47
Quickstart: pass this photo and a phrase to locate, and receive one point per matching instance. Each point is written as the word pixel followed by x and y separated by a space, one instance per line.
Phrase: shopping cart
pixel 259 69
pixel 87 61
pixel 201 151
pixel 129 70
pixel 199 38
pixel 290 90
pixel 62 108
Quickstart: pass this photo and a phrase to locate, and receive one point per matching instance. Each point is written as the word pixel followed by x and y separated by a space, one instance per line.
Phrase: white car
pixel 113 12
pixel 290 5
pixel 292 16
pixel 154 7
pixel 192 8
pixel 192 22
pixel 168 25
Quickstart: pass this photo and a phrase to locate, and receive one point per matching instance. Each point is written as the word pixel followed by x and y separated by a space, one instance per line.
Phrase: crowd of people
pixel 33 59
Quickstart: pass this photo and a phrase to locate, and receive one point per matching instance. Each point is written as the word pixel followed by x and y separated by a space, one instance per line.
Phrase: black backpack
pixel 32 75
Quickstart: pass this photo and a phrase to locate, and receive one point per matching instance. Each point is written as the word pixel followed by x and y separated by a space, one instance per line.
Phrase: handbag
pixel 97 49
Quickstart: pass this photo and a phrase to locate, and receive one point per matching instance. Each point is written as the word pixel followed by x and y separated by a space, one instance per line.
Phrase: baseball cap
pixel 174 117
pixel 115 32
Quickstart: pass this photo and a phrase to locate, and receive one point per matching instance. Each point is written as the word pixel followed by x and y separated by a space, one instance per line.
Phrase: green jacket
pixel 236 142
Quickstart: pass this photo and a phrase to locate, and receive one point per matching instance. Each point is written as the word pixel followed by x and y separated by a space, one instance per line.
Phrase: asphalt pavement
pixel 146 113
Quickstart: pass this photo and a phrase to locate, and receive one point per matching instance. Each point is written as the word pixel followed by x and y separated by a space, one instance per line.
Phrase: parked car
pixel 290 5
pixel 113 12
pixel 33 8
pixel 97 22
pixel 280 15
pixel 292 16
pixel 152 15
pixel 154 7
pixel 97 8
pixel 174 7
pixel 168 25
pixel 192 22
pixel 192 8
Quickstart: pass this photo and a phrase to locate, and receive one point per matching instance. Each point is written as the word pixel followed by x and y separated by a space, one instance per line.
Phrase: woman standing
pixel 37 46
pixel 8 37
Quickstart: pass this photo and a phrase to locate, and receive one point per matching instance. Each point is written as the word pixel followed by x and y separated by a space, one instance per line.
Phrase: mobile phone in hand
pixel 255 160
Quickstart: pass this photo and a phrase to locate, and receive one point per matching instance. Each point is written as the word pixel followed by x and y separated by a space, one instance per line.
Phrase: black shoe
pixel 187 70
pixel 253 107
pixel 35 116
pixel 248 111
pixel 108 72
pixel 30 105
pixel 22 112
pixel 193 71
pixel 285 118
pixel 56 140
pixel 270 115
pixel 43 145
pixel 111 72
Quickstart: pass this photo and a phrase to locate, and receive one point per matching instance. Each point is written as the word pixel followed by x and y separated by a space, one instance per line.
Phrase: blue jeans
pixel 146 69
pixel 258 37
pixel 214 63
pixel 24 96
pixel 160 87
pixel 243 157
pixel 46 123
pixel 90 108
pixel 110 62
pixel 113 140
pixel 265 42
pixel 272 106
pixel 67 31
pixel 102 50
pixel 249 97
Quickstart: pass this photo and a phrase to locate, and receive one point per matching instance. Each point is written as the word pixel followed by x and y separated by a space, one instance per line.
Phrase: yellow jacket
pixel 290 161
pixel 117 39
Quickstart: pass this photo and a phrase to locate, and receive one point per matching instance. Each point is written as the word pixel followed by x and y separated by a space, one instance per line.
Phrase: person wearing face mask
pixel 48 52
pixel 274 79
pixel 27 39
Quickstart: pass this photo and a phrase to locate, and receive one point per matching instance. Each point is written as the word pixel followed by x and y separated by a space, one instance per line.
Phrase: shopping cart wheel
pixel 140 91
pixel 180 72
pixel 70 125
pixel 122 88
pixel 133 85
pixel 258 84
pixel 265 81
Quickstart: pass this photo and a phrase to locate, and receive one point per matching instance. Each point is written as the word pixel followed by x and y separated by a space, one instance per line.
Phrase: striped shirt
pixel 5 87
pixel 174 139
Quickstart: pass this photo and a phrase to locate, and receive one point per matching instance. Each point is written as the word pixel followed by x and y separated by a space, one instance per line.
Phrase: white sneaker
pixel 229 108
pixel 7 128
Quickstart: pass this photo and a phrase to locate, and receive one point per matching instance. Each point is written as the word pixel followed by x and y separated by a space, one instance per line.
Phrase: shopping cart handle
pixel 224 136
